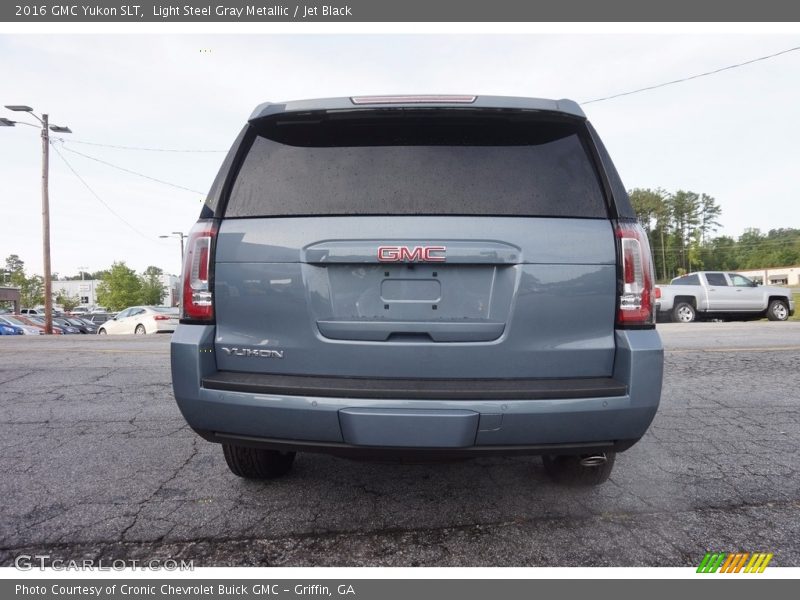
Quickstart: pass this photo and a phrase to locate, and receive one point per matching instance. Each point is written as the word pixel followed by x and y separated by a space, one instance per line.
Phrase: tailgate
pixel 416 297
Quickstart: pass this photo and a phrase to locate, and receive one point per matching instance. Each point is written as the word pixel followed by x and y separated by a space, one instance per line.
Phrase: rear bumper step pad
pixel 415 389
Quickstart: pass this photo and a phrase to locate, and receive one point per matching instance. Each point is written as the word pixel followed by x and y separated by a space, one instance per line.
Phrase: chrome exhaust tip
pixel 594 460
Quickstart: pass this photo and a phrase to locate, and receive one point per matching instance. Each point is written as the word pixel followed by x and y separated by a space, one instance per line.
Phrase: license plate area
pixel 416 292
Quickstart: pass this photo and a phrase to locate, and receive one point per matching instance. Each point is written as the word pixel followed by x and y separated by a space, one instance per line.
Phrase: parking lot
pixel 98 462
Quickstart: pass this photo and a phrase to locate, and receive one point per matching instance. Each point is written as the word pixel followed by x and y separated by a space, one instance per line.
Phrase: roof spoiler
pixel 563 106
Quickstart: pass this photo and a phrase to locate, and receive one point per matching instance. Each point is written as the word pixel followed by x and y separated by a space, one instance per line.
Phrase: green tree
pixel 721 254
pixel 120 288
pixel 14 264
pixel 752 249
pixel 685 216
pixel 710 211
pixel 152 288
pixel 31 289
pixel 67 301
pixel 652 209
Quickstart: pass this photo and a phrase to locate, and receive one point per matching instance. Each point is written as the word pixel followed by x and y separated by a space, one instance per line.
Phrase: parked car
pixel 418 276
pixel 66 328
pixel 10 330
pixel 142 320
pixel 39 324
pixel 79 311
pixel 77 323
pixel 8 319
pixel 90 327
pixel 32 311
pixel 97 318
pixel 719 294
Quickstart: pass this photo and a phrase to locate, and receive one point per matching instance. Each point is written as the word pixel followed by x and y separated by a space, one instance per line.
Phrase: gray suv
pixel 418 276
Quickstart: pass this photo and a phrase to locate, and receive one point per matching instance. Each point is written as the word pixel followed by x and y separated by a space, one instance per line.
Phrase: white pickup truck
pixel 719 294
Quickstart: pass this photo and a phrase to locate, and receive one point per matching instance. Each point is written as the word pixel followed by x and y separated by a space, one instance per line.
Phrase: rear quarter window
pixel 687 280
pixel 417 164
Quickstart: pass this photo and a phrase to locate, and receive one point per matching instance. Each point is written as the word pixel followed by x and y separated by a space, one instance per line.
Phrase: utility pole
pixel 48 284
pixel 45 127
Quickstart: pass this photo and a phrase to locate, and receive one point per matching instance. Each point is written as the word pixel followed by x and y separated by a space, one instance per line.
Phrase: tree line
pixel 120 286
pixel 680 226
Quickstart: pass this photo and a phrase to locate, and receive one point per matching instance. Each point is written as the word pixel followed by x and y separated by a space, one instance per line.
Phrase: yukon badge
pixel 415 254
pixel 258 352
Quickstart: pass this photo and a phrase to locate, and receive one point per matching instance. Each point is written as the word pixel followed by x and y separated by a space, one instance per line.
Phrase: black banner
pixel 354 11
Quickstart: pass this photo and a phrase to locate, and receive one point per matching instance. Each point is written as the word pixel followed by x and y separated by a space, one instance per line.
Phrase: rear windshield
pixel 417 163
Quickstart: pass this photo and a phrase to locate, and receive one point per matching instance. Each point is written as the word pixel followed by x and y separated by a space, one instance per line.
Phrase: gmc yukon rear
pixel 424 276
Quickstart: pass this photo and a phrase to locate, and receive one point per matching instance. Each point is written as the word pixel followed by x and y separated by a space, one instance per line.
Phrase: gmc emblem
pixel 416 254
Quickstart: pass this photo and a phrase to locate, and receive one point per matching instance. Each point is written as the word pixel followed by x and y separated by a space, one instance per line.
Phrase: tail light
pixel 198 303
pixel 636 302
pixel 658 293
pixel 160 318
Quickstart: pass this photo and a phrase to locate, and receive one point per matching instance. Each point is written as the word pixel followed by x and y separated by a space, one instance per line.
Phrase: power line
pixel 113 166
pixel 117 147
pixel 706 74
pixel 96 195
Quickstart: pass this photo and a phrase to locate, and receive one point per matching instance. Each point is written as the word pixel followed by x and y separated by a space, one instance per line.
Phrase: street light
pixel 182 237
pixel 46 128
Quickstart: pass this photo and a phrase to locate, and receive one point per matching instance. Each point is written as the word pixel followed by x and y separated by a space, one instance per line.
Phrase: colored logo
pixel 743 562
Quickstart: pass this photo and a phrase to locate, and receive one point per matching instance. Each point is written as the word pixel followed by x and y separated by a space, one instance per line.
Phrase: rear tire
pixel 777 311
pixel 140 330
pixel 568 470
pixel 257 463
pixel 683 312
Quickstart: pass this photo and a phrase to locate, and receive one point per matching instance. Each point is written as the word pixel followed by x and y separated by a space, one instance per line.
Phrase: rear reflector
pixel 435 99
pixel 197 303
pixel 636 293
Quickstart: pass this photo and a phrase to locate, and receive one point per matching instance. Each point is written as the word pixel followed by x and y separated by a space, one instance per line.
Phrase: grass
pixel 796 293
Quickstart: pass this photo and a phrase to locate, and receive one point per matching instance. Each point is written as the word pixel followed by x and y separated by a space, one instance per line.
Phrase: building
pixel 86 290
pixel 775 275
pixel 9 296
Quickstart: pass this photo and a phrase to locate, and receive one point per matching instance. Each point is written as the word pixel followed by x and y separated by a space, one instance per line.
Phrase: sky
pixel 732 135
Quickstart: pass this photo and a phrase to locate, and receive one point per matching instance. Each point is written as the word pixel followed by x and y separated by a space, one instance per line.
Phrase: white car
pixel 142 320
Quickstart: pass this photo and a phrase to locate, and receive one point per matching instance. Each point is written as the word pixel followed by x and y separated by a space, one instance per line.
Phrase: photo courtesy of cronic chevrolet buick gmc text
pixel 418 276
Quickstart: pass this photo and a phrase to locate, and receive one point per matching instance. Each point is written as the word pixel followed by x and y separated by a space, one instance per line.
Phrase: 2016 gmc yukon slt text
pixel 418 276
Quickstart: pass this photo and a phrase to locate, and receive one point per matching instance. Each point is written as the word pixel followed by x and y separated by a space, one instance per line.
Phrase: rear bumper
pixel 609 415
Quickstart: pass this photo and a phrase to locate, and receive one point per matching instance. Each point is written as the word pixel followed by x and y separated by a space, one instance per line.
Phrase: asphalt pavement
pixel 97 461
